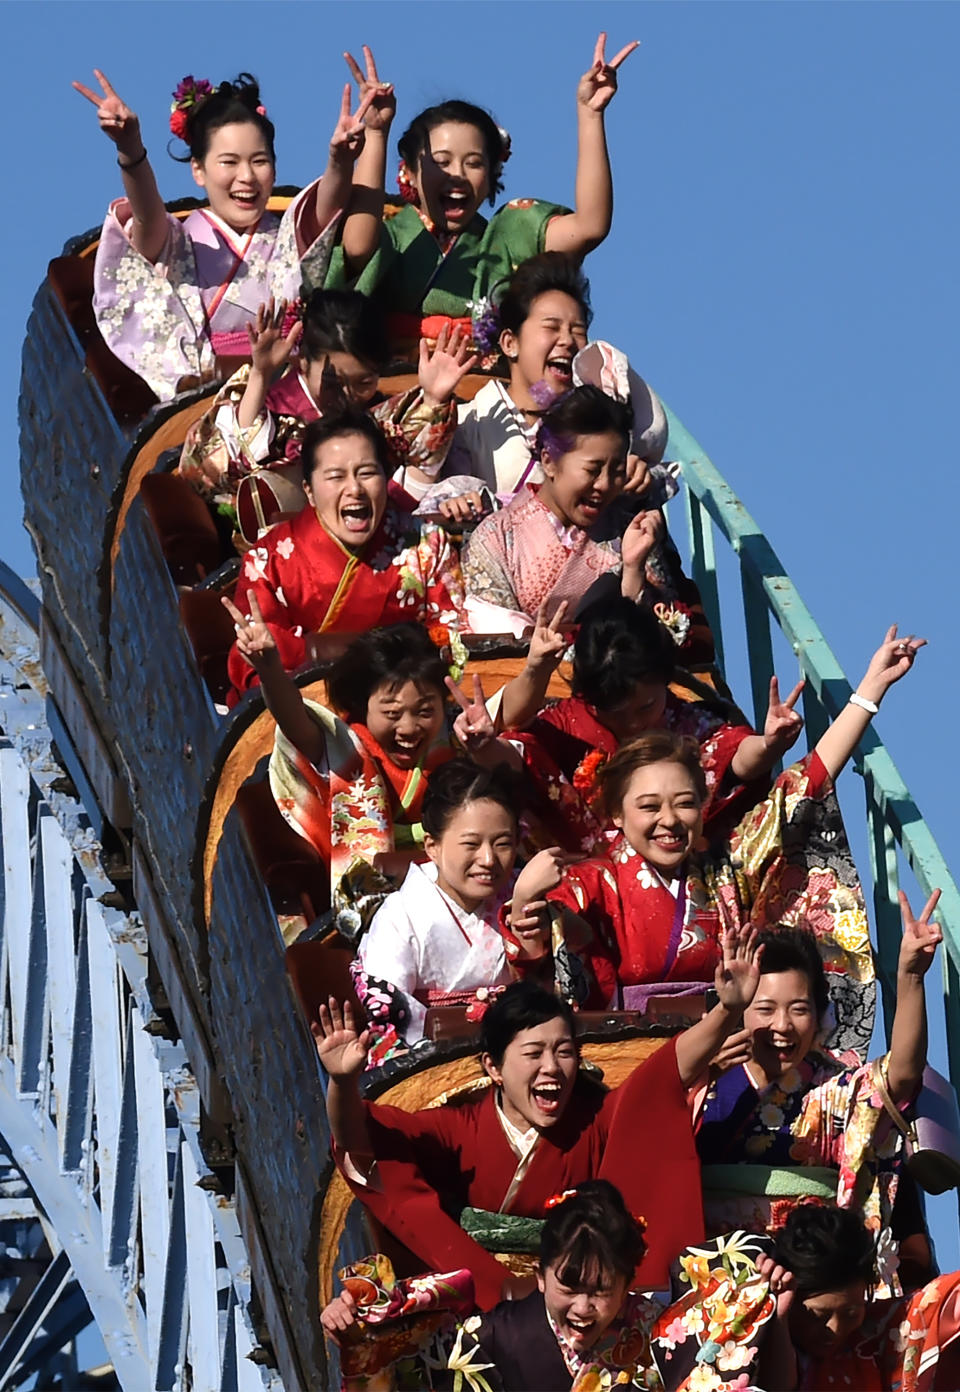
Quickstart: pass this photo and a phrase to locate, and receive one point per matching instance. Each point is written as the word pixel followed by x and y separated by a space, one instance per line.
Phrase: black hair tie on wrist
pixel 133 163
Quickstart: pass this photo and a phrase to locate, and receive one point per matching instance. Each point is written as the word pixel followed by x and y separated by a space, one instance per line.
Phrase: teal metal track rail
pixel 893 818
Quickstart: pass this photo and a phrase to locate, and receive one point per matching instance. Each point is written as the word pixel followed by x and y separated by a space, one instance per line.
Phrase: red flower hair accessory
pixel 585 774
pixel 190 91
pixel 408 189
pixel 555 1200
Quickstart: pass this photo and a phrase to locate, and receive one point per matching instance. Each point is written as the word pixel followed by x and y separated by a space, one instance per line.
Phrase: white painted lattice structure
pixel 107 1205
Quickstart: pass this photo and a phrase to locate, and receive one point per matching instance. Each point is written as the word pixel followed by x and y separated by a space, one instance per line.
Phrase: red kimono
pixel 566 745
pixel 433 1163
pixel 306 582
pixel 787 862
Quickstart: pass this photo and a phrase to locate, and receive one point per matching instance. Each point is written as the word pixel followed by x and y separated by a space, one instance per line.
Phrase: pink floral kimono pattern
pixel 171 319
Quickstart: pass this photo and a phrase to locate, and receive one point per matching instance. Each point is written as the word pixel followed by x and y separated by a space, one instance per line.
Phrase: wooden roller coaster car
pixel 133 646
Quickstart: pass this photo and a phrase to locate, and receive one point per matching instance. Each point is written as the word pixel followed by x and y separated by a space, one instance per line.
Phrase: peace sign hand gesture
pixel 548 641
pixel 441 370
pixel 255 642
pixel 116 119
pixel 342 1048
pixel 738 974
pixel 892 660
pixel 383 104
pixel 783 724
pixel 473 726
pixel 920 937
pixel 596 88
pixel 349 133
pixel 270 350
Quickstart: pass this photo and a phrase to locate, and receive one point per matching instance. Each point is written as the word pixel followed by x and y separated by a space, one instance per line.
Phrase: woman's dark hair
pixel 652 747
pixel 349 421
pixel 826 1249
pixel 619 645
pixel 591 1235
pixel 583 411
pixel 384 657
pixel 415 140
pixel 795 949
pixel 233 103
pixel 344 321
pixel 551 270
pixel 458 782
pixel 522 1006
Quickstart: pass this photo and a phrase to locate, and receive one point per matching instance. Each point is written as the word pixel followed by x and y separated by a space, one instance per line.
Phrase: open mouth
pixel 580 1330
pixel 591 507
pixel 546 1098
pixel 405 751
pixel 247 201
pixel 559 372
pixel 455 205
pixel 356 518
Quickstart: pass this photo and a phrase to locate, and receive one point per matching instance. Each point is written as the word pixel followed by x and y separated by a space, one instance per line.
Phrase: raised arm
pixel 343 1050
pixel 361 228
pixel 892 660
pixel 637 542
pixel 346 146
pixel 580 231
pixel 270 351
pixel 757 754
pixel 908 1038
pixel 256 644
pixel 736 981
pixel 524 695
pixel 148 227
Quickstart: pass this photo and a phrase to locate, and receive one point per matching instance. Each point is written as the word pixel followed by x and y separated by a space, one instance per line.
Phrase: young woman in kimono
pixel 557 538
pixel 796 1107
pixel 538 328
pixel 841 1334
pixel 432 259
pixel 623 663
pixel 657 903
pixel 173 298
pixel 353 783
pixel 436 940
pixel 350 560
pixel 580 1330
pixel 540 1128
pixel 258 419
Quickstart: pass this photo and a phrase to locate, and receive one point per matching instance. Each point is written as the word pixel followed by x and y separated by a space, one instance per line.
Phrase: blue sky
pixel 781 268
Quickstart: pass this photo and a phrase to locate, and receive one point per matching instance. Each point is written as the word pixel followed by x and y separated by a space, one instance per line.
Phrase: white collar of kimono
pixel 308 393
pixel 528 431
pixel 671 886
pixel 236 241
pixel 521 1142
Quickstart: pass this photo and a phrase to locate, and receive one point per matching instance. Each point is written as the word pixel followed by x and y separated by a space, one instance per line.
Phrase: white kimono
pixel 427 946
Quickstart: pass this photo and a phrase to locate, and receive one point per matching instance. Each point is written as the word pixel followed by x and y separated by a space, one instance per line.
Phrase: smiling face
pixel 348 489
pixel 661 815
pixel 537 1074
pixel 453 176
pixel 822 1324
pixel 643 710
pixel 405 720
pixel 474 855
pixel 237 174
pixel 782 1019
pixel 543 350
pixel 585 479
pixel 339 379
pixel 583 1312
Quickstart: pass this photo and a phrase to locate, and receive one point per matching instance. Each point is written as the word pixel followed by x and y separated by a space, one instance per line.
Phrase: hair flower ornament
pixel 555 1200
pixel 190 91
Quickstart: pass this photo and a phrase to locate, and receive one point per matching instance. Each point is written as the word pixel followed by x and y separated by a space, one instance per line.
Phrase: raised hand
pixel 596 88
pixel 465 507
pixel 638 475
pixel 548 641
pixel 383 104
pixel 780 1280
pixel 736 1049
pixel 473 726
pixel 920 937
pixel 255 642
pixel 270 349
pixel 442 369
pixel 892 660
pixel 640 538
pixel 738 974
pixel 116 119
pixel 349 133
pixel 783 724
pixel 341 1048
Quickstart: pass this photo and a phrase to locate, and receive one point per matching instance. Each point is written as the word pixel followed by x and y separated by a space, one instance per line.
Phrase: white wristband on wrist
pixel 869 706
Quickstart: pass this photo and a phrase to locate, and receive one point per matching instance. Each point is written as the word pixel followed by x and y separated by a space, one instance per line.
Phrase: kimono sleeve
pixel 419 435
pixel 419 1155
pixel 844 1123
pixel 757 841
pixel 590 891
pixel 388 951
pixel 485 569
pixel 258 576
pixel 218 451
pixel 442 579
pixel 516 232
pixel 302 254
